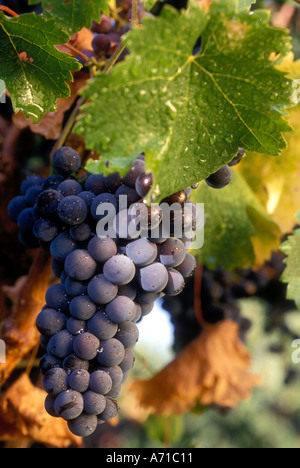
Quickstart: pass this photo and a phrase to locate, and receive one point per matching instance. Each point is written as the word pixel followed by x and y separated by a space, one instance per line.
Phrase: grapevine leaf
pixel 34 71
pixel 291 274
pixel 190 112
pixel 73 15
pixel 238 232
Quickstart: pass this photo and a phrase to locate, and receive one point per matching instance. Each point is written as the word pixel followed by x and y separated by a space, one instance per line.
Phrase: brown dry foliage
pixel 212 369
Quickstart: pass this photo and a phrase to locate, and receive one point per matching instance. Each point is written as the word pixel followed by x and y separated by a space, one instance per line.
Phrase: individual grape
pixel 32 194
pixel 102 248
pixel 72 210
pixel 61 344
pixel 28 240
pixel 128 334
pixel 62 246
pixel 69 405
pixel 188 266
pixel 86 346
pixel 48 362
pixel 172 253
pixel 66 161
pixel 137 169
pixel 89 55
pixel 179 197
pixel 147 309
pixel 102 327
pixel 94 403
pixel 80 265
pixel 49 322
pixel 69 187
pixel 129 193
pixel 84 425
pixel 105 25
pixel 16 206
pixel 82 308
pixel 220 179
pixel 76 327
pixel 75 288
pixel 147 297
pixel 143 184
pixel 128 290
pixel 87 197
pixel 45 229
pixel 142 252
pixel 175 283
pixel 115 392
pixel 128 361
pixel 153 278
pixel 26 220
pixel 111 410
pixel 55 381
pixel 52 182
pixel 113 182
pixel 115 373
pixel 138 313
pixel 121 309
pixel 100 382
pixel 101 290
pixel 81 232
pixel 111 353
pixel 79 380
pixel 73 363
pixel 119 270
pixel 101 44
pixel 57 298
pixel 31 181
pixel 237 159
pixel 49 406
pixel 107 200
pixel 95 184
pixel 47 203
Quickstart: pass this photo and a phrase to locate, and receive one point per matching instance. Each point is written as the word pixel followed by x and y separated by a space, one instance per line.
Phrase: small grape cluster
pixel 88 325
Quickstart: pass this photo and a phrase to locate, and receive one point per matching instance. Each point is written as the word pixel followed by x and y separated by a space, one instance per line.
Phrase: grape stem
pixel 9 11
pixel 197 296
pixel 77 52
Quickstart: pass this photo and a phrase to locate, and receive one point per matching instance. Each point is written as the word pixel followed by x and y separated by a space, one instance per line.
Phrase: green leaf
pixel 34 71
pixel 190 113
pixel 238 232
pixel 73 15
pixel 291 274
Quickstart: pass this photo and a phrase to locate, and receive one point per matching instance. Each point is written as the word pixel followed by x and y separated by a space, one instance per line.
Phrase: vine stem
pixel 9 11
pixel 135 13
pixel 77 52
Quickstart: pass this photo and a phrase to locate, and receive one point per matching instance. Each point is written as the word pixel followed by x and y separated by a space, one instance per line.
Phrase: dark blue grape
pixel 69 187
pixel 94 403
pixel 26 219
pixel 52 182
pixel 100 382
pixel 153 278
pixel 73 363
pixel 84 425
pixel 57 298
pixel 45 229
pixel 101 290
pixel 16 206
pixel 69 405
pixel 50 321
pixel 72 210
pixel 129 193
pixel 61 344
pixel 143 184
pixel 102 248
pixel 95 184
pixel 172 252
pixel 128 361
pixel 82 308
pixel 128 334
pixel 137 169
pixel 100 203
pixel 111 353
pixel 188 266
pixel 111 410
pixel 102 327
pixel 115 373
pixel 113 182
pixel 87 197
pixel 47 203
pixel 66 161
pixel 142 252
pixel 29 182
pixel 76 327
pixel 80 265
pixel 75 288
pixel 86 346
pixel 121 309
pixel 48 361
pixel 119 270
pixel 81 232
pixel 62 246
pixel 79 380
pixel 32 195
pixel 175 284
pixel 55 381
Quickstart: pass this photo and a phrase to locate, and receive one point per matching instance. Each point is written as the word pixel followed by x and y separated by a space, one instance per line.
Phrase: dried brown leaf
pixel 213 369
pixel 23 416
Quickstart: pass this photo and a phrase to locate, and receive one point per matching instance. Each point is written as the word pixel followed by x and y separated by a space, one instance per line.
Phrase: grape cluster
pixel 107 284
